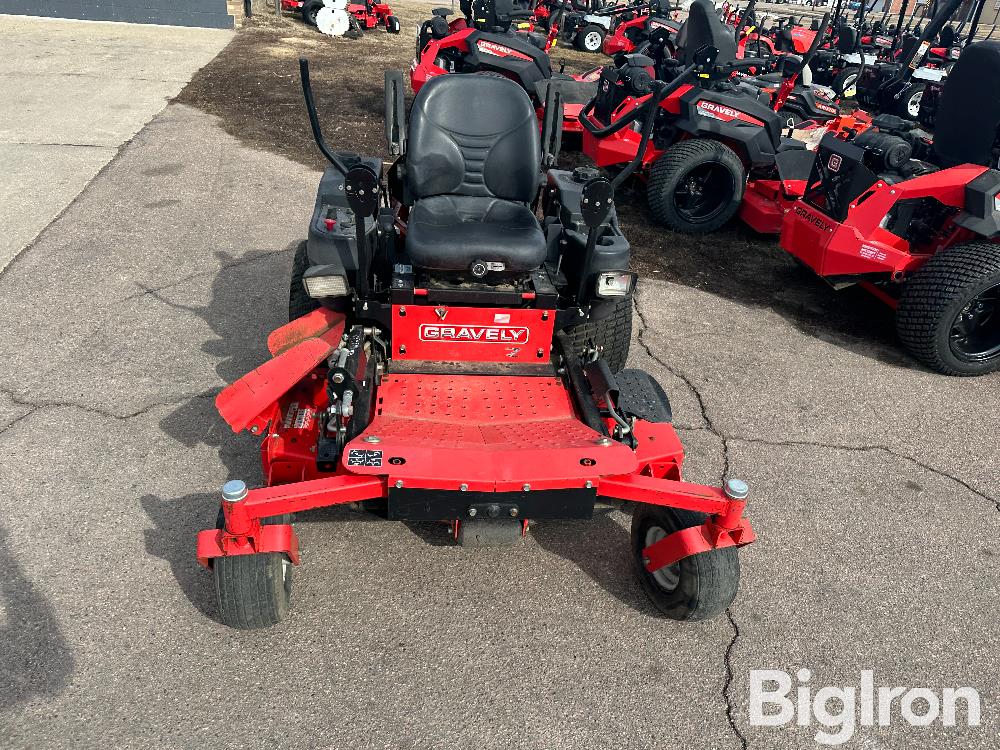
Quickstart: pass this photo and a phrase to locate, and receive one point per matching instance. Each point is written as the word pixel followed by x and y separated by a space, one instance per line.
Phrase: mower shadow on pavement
pixel 245 305
pixel 600 548
pixel 35 659
pixel 750 269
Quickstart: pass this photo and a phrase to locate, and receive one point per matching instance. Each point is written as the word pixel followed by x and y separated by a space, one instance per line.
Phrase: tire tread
pixel 932 291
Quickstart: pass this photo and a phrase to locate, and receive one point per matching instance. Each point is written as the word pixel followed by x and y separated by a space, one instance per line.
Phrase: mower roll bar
pixel 395 112
pixel 307 93
pixel 747 13
pixel 660 92
pixel 930 32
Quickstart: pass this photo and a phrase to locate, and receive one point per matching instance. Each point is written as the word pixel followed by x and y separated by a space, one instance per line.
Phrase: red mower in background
pixel 628 34
pixel 367 13
pixel 453 358
pixel 491 48
pixel 923 236
pixel 786 37
pixel 700 139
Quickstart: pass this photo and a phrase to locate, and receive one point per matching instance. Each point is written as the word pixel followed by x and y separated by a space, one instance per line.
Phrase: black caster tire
pixel 590 38
pixel 908 106
pixel 392 25
pixel 696 187
pixel 699 587
pixel 299 301
pixel 253 591
pixel 949 314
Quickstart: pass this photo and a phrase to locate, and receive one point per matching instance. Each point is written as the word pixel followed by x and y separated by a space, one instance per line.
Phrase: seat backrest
pixel 947 37
pixel 473 135
pixel 968 115
pixel 847 39
pixel 703 27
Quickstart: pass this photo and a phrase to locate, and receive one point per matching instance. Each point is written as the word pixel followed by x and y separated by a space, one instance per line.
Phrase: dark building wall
pixel 208 13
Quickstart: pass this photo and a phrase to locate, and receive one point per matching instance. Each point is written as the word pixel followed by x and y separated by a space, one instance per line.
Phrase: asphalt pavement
pixel 73 93
pixel 875 491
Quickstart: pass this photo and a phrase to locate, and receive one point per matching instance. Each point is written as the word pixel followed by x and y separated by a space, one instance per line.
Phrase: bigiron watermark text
pixel 776 701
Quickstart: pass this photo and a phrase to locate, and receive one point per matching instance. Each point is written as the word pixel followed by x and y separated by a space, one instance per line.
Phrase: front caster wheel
pixel 253 591
pixel 699 587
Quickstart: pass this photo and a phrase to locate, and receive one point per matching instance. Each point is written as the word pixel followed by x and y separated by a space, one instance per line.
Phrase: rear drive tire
pixel 253 591
pixel 590 38
pixel 299 301
pixel 392 25
pixel 696 186
pixel 846 80
pixel 949 314
pixel 699 587
pixel 611 334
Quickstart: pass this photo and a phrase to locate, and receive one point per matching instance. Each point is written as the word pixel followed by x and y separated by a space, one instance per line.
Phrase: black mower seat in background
pixel 969 113
pixel 703 27
pixel 473 163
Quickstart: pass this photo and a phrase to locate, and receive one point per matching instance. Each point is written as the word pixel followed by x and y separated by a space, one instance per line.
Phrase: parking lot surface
pixel 875 492
pixel 74 92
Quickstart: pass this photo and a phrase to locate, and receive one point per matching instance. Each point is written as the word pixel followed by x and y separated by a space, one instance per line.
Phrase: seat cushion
pixel 450 232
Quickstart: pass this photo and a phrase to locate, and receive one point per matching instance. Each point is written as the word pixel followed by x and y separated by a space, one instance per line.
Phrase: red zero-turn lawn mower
pixel 453 358
pixel 706 135
pixel 923 236
pixel 368 14
pixel 490 48
pixel 628 35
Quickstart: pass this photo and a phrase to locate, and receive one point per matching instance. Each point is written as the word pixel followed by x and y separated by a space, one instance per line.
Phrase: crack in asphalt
pixel 34 407
pixel 728 684
pixel 710 426
pixel 146 290
pixel 725 440
pixel 644 326
pixel 868 449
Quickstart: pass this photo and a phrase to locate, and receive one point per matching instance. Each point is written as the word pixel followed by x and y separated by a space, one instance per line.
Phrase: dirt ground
pixel 253 88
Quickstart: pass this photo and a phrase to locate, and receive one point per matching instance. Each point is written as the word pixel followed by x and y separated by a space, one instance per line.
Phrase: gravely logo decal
pixel 718 109
pixel 492 48
pixel 812 219
pixel 474 334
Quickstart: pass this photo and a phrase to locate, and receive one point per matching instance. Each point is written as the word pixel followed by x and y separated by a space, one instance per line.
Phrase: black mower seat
pixel 473 163
pixel 703 27
pixel 449 233
pixel 968 115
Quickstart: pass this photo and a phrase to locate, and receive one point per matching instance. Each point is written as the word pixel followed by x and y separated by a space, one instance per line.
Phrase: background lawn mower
pixel 628 32
pixel 490 48
pixel 588 31
pixel 453 358
pixel 707 133
pixel 367 13
pixel 895 84
pixel 925 235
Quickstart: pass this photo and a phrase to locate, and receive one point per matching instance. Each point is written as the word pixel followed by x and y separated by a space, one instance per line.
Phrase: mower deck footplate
pixel 492 434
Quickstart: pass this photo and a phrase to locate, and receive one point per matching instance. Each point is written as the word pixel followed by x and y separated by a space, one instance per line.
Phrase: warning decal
pixel 364 457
